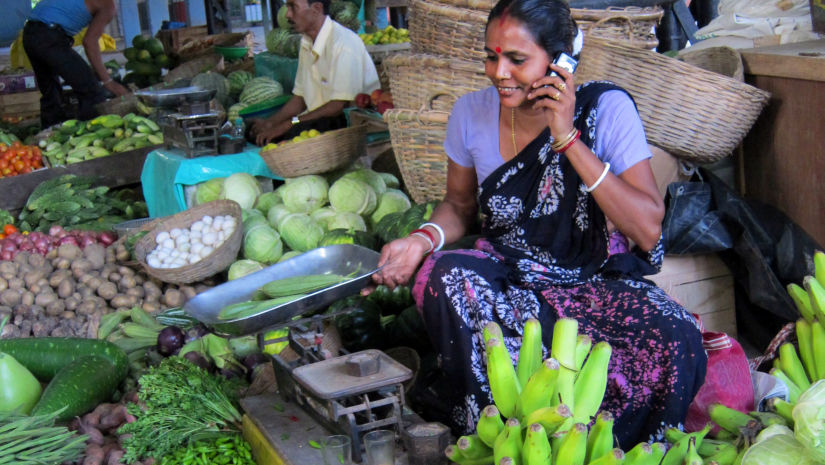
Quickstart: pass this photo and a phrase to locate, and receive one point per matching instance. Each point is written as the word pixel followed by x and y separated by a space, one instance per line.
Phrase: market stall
pixel 172 294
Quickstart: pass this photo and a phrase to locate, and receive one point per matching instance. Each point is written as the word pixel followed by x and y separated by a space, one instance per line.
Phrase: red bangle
pixel 426 233
pixel 570 144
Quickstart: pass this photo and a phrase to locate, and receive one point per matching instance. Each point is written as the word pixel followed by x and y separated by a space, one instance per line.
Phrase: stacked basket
pixel 447 42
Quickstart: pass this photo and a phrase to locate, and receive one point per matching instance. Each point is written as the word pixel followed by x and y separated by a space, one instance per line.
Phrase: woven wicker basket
pixel 329 151
pixel 449 76
pixel 455 28
pixel 418 142
pixel 691 113
pixel 213 263
pixel 723 60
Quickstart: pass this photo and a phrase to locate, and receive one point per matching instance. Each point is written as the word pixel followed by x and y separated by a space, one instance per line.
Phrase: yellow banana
pixel 806 348
pixel 536 448
pixel 530 353
pixel 502 377
pixel 817 294
pixel 792 366
pixel 490 331
pixel 489 425
pixel 640 454
pixel 600 437
pixel 819 267
pixel 725 456
pixel 563 349
pixel 793 390
pixel 676 454
pixel 473 448
pixel 802 301
pixel 730 419
pixel 818 345
pixel 612 457
pixel 551 418
pixel 572 447
pixel 508 443
pixel 583 345
pixel 589 387
pixel 782 408
pixel 692 456
pixel 539 390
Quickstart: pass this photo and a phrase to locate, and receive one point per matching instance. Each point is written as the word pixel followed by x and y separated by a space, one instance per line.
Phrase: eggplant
pixel 196 332
pixel 199 360
pixel 170 340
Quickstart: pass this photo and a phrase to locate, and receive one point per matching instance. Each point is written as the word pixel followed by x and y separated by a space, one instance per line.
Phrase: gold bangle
pixel 557 144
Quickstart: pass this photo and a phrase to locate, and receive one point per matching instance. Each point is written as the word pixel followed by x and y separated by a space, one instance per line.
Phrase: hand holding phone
pixel 565 61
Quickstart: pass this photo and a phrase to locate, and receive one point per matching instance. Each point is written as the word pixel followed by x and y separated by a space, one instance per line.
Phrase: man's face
pixel 301 15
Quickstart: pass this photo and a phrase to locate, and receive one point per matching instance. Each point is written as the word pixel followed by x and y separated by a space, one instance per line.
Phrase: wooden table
pixel 784 153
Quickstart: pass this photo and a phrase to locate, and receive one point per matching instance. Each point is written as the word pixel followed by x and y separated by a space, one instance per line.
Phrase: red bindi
pixel 498 49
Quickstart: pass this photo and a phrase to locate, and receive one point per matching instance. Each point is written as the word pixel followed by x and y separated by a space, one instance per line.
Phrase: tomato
pixel 9 229
pixel 19 165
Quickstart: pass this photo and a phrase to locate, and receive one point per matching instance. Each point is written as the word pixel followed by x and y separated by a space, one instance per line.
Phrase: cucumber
pixel 45 356
pixel 79 387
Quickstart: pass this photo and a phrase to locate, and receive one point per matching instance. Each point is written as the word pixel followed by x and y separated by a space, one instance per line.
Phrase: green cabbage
pixel 252 218
pixel 809 420
pixel 275 214
pixel 351 195
pixel 300 232
pixel 346 220
pixel 322 215
pixel 305 194
pixel 209 190
pixel 778 449
pixel 390 180
pixel 373 178
pixel 267 200
pixel 287 255
pixel 262 244
pixel 242 188
pixel 242 268
pixel 393 200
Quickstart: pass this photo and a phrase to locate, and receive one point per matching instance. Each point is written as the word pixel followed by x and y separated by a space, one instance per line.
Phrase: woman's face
pixel 514 59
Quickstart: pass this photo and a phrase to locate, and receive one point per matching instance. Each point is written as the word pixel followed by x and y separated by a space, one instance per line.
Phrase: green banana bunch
pixel 551 418
pixel 530 354
pixel 678 451
pixel 571 448
pixel 489 425
pixel 583 345
pixel 536 448
pixel 539 390
pixel 472 447
pixel 591 383
pixel 692 456
pixel 600 437
pixel 563 349
pixel 501 375
pixel 613 457
pixel 509 442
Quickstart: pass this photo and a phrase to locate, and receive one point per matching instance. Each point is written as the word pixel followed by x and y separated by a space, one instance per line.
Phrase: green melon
pixel 138 40
pixel 216 81
pixel 233 112
pixel 237 80
pixel 260 90
pixel 283 23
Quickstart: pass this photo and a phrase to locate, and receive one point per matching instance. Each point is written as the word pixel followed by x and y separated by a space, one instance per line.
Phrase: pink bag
pixel 727 382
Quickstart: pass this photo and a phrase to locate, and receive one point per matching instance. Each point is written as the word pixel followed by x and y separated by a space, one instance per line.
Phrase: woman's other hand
pixel 559 100
pixel 400 259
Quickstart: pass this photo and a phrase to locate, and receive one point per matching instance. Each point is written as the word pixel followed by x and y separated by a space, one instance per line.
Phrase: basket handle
pixel 428 105
pixel 622 17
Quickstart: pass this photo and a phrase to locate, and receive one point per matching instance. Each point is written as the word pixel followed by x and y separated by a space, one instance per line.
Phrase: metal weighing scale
pixel 185 118
pixel 347 394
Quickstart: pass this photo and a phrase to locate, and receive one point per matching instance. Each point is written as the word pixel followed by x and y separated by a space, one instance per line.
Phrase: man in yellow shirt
pixel 333 67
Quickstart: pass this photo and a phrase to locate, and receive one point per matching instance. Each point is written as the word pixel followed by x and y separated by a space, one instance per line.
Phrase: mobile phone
pixel 565 61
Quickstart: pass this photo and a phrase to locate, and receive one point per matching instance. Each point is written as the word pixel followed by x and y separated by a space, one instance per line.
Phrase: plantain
pixel 502 378
pixel 472 447
pixel 530 353
pixel 583 345
pixel 551 418
pixel 489 425
pixel 806 348
pixel 600 437
pixel 613 457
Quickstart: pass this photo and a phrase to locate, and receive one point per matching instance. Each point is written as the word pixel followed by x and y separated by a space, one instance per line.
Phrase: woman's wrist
pixel 425 244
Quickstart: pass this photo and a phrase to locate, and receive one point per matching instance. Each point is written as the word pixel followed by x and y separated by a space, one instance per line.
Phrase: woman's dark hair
pixel 549 22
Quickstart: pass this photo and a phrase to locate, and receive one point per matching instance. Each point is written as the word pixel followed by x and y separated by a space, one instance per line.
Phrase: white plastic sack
pixel 789 19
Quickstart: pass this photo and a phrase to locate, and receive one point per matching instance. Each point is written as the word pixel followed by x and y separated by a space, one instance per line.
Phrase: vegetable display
pixel 16 158
pixel 35 440
pixel 181 246
pixel 144 61
pixel 228 450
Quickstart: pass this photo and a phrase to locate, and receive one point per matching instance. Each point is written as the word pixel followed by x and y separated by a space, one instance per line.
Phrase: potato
pixel 62 263
pixel 11 297
pixel 51 254
pixel 139 279
pixel 20 309
pixel 56 277
pixel 61 331
pixel 33 276
pixel 19 319
pixel 72 303
pixel 85 292
pixel 188 292
pixel 80 267
pixel 126 282
pixel 27 298
pixel 87 307
pixel 10 331
pixel 121 301
pixel 151 306
pixel 66 288
pixel 8 268
pixel 39 329
pixel 68 251
pixel 25 328
pixel 136 291
pixel 37 260
pixel 122 254
pixel 114 277
pixel 5 310
pixel 36 311
pixel 94 283
pixel 55 308
pixel 173 298
pixel 67 315
pixel 45 298
pixel 22 258
pixel 125 271
pixel 16 283
pixel 107 290
pixel 96 255
pixel 3 284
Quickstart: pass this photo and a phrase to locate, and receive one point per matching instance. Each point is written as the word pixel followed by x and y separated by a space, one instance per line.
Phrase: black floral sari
pixel 545 255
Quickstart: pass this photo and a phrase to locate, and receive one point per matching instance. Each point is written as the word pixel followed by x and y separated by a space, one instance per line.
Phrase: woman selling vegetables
pixel 549 164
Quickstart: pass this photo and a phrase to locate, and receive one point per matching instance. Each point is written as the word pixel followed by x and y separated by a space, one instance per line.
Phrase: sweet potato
pixel 94 455
pixel 114 418
pixel 95 436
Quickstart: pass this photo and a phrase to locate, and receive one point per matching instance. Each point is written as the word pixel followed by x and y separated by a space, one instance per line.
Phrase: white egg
pixel 217 223
pixel 175 232
pixel 205 251
pixel 209 238
pixel 153 262
pixel 229 225
pixel 185 247
pixel 194 259
pixel 197 226
pixel 196 248
pixel 162 236
pixel 168 244
pixel 181 240
pixel 221 237
pixel 207 220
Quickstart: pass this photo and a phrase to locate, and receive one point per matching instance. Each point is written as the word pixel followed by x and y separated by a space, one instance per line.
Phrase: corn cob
pixel 539 390
pixel 508 442
pixel 612 457
pixel 536 449
pixel 572 446
pixel 792 366
pixel 253 307
pixel 583 345
pixel 529 356
pixel 806 349
pixel 301 284
pixel 551 418
pixel 502 377
pixel 489 425
pixel 591 383
pixel 600 437
pixel 563 349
